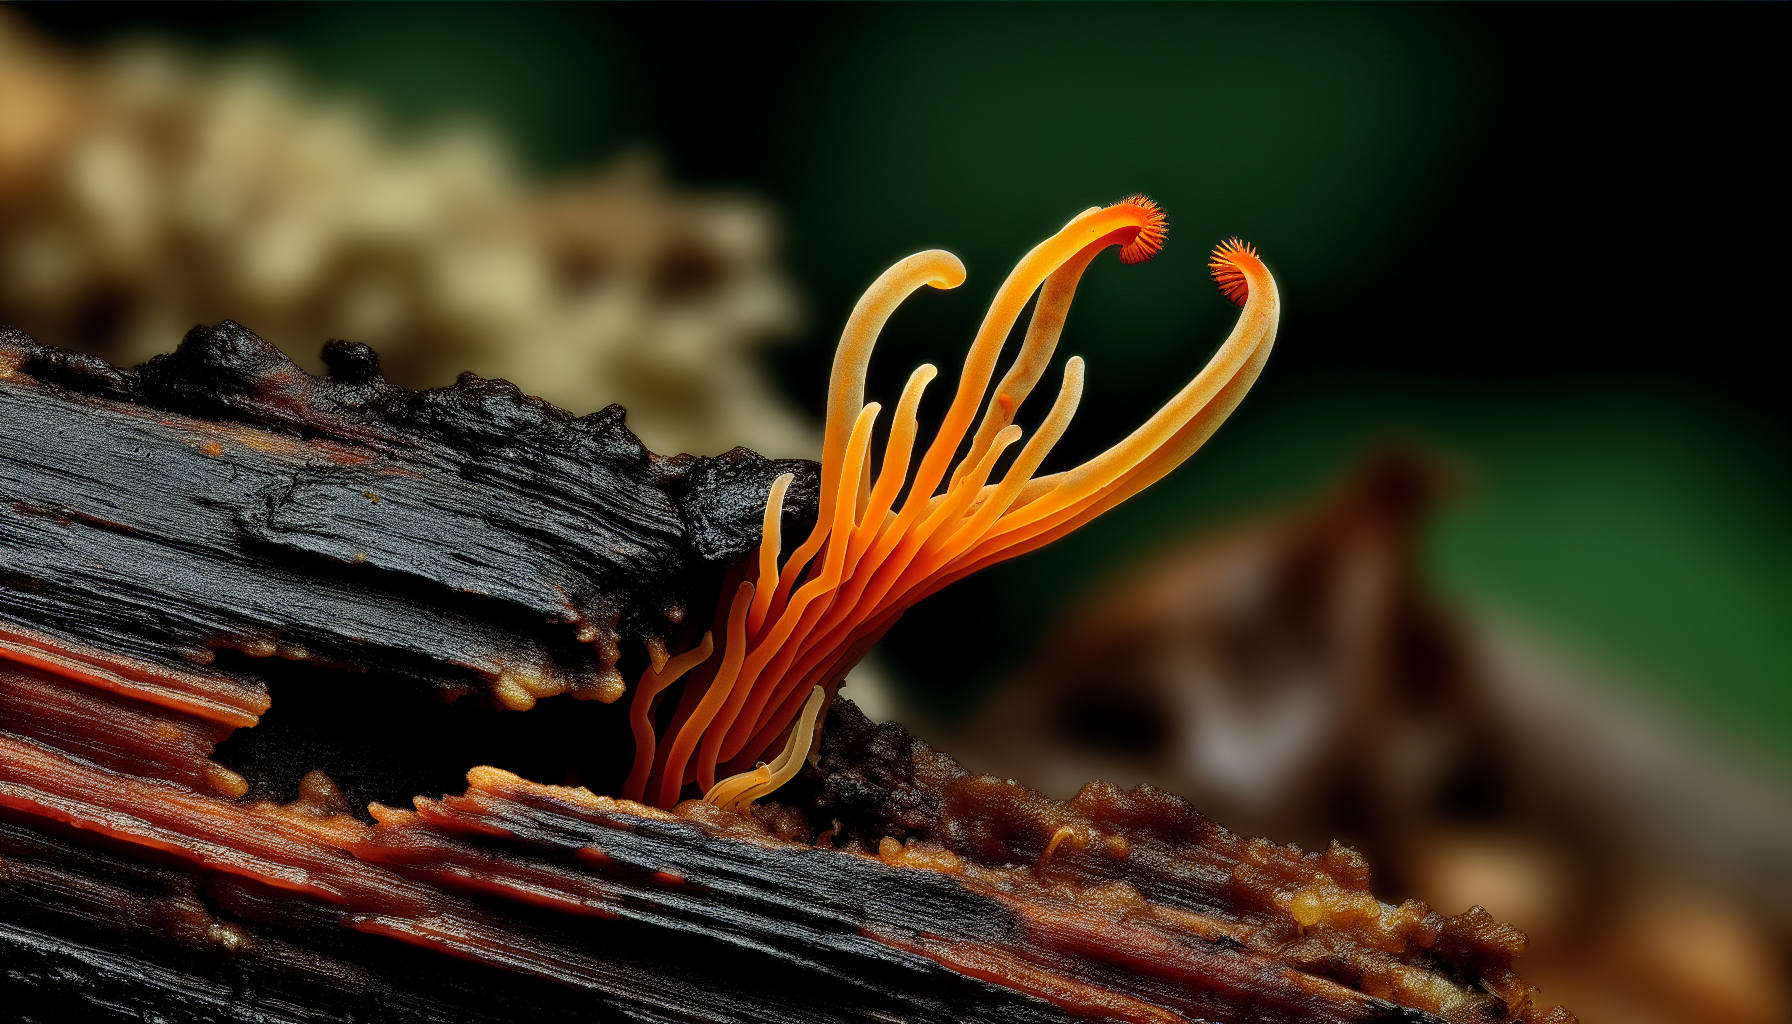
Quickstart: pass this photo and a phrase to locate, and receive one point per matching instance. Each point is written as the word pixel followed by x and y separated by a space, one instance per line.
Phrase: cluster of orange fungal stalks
pixel 790 630
pixel 737 792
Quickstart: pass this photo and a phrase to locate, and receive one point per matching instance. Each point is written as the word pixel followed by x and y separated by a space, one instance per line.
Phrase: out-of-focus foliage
pixel 141 193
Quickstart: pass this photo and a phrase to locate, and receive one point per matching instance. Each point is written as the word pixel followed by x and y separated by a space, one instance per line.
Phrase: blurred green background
pixel 1536 239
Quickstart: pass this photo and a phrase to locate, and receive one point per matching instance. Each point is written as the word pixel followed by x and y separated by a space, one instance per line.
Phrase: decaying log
pixel 1000 905
pixel 163 525
pixel 467 537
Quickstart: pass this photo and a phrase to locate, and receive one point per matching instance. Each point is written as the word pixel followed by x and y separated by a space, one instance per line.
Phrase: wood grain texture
pixel 221 575
pixel 219 498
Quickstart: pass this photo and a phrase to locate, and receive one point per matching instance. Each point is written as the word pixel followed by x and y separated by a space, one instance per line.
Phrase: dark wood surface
pixel 219 498
pixel 223 667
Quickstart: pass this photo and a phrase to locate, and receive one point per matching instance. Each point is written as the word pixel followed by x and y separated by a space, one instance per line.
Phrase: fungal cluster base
pixel 311 705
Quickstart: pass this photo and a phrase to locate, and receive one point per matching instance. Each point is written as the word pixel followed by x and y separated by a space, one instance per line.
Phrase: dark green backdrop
pixel 1540 238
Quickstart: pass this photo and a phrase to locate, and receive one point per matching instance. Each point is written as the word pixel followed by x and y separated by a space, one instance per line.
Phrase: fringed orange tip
pixel 1226 272
pixel 1150 240
pixel 792 635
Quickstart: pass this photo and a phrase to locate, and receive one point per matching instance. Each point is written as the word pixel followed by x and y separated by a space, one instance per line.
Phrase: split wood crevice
pixel 994 903
pixel 396 565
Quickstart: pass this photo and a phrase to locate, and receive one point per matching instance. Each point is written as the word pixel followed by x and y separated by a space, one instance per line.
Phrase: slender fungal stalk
pixel 797 630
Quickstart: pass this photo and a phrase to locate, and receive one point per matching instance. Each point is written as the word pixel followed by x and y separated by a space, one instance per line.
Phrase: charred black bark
pixel 90 935
pixel 219 497
pixel 581 909
pixel 179 538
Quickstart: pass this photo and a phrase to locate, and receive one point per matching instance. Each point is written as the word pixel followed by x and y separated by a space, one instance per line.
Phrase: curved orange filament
pixel 1152 443
pixel 803 608
pixel 796 749
pixel 894 471
pixel 672 772
pixel 831 631
pixel 738 792
pixel 771 534
pixel 846 384
pixel 640 712
pixel 792 637
pixel 727 791
pixel 914 545
pixel 1119 224
pixel 1036 350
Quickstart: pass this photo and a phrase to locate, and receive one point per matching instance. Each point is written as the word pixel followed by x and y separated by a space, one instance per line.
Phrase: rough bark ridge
pixel 165 530
pixel 220 498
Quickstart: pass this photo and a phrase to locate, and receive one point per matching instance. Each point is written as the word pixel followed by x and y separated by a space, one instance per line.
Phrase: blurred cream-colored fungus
pixel 142 192
pixel 869 557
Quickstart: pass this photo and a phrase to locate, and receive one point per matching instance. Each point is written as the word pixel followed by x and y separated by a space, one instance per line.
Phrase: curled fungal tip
pixel 1226 272
pixel 869 557
pixel 1151 237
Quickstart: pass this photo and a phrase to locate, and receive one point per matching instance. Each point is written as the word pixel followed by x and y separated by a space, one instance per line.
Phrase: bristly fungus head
pixel 1150 240
pixel 1228 273
pixel 792 633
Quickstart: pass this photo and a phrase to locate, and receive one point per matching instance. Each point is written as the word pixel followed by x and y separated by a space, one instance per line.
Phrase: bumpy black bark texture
pixel 345 543
pixel 871 780
pixel 219 501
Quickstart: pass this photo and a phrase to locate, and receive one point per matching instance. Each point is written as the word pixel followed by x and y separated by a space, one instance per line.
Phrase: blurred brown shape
pixel 141 193
pixel 1295 679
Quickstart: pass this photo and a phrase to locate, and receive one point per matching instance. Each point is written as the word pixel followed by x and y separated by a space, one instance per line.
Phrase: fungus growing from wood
pixel 737 792
pixel 791 633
